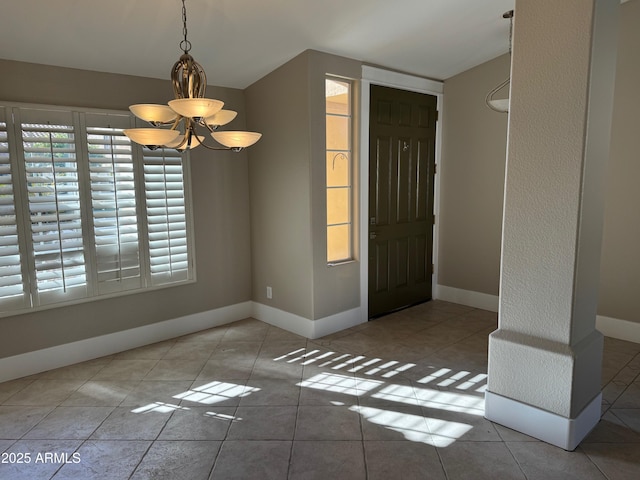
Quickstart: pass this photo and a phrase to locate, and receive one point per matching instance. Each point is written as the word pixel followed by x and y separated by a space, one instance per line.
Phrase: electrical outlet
pixel 269 292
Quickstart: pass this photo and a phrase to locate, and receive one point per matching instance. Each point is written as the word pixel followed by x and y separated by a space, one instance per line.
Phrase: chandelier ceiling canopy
pixel 175 125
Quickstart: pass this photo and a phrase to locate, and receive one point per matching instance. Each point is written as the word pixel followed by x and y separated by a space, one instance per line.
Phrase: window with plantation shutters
pixel 164 182
pixel 84 213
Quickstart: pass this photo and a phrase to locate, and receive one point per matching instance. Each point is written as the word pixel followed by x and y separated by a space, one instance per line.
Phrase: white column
pixel 545 358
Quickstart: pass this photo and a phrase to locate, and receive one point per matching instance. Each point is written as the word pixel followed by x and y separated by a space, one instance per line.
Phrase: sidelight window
pixel 339 169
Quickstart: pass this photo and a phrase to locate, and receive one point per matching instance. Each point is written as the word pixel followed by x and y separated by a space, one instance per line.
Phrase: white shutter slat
pixel 113 197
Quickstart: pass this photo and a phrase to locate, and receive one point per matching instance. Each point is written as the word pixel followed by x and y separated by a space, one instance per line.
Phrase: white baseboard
pixel 468 298
pixel 339 321
pixel 608 326
pixel 562 432
pixel 617 328
pixel 67 354
pixel 38 361
pixel 306 327
pixel 281 319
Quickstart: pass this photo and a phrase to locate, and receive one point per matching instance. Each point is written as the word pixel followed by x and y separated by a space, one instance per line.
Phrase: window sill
pixel 341 262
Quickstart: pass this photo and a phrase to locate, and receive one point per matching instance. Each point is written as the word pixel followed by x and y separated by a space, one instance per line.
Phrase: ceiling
pixel 239 41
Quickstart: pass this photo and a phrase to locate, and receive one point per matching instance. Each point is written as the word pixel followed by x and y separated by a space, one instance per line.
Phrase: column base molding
pixel 562 432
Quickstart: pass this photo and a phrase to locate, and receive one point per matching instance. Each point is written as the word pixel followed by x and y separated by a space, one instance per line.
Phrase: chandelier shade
pixel 500 105
pixel 196 107
pixel 151 137
pixel 189 110
pixel 221 118
pixel 154 114
pixel 236 140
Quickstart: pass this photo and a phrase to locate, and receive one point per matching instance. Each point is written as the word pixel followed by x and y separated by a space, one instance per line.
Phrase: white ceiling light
pixel 501 104
pixel 187 111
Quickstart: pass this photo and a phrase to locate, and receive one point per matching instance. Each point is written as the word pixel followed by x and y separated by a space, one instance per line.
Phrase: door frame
pixel 400 81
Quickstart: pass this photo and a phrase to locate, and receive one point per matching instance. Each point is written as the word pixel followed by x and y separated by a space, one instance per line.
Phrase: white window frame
pixel 169 167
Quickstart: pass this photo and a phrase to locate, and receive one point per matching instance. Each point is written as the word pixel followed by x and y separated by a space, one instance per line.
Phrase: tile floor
pixel 398 397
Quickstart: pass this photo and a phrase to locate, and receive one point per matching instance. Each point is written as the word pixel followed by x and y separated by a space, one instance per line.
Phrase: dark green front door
pixel 402 138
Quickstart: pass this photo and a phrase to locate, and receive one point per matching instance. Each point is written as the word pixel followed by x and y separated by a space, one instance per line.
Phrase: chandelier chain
pixel 509 15
pixel 185 44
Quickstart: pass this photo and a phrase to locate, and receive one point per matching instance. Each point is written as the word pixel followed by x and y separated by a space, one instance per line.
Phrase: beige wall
pixel 220 204
pixel 287 184
pixel 474 142
pixel 335 289
pixel 279 173
pixel 472 182
pixel 620 267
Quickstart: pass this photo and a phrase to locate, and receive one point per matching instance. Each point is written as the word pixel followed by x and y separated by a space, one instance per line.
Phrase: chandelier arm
pixel 176 122
pixel 217 148
pixel 234 149
pixel 498 88
pixel 207 126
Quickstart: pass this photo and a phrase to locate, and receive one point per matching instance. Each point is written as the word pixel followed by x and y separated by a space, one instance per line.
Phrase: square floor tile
pixel 263 423
pixel 216 369
pixel 100 393
pixel 9 389
pixel 176 460
pixel 327 423
pixel 541 461
pixel 45 392
pixel 617 461
pixel 479 461
pixel 272 392
pixel 125 369
pixel 104 459
pixel 327 460
pixel 15 421
pixel 127 424
pixel 199 423
pixel 150 391
pixel 70 423
pixel 394 423
pixel 252 460
pixel 176 369
pixel 406 460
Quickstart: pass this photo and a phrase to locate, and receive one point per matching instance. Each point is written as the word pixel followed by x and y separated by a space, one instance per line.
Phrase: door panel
pixel 401 170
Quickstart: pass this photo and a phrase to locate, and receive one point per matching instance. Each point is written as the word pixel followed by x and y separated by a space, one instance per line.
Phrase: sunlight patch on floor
pixel 216 392
pixel 416 428
pixel 159 407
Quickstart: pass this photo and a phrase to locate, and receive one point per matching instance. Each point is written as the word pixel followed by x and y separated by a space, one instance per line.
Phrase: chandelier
pixel 188 111
pixel 501 104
